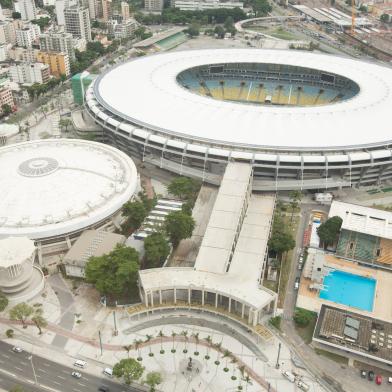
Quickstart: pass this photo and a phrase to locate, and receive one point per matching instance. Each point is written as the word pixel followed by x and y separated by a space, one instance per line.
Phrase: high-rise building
pixel 57 42
pixel 6 97
pixel 153 5
pixel 122 30
pixel 58 62
pixel 7 32
pixel 107 11
pixel 3 52
pixel 27 9
pixel 26 36
pixel 124 11
pixel 61 5
pixel 95 9
pixel 77 22
pixel 29 73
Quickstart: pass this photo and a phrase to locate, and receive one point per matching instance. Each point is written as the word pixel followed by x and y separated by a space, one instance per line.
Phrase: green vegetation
pixel 21 312
pixel 6 109
pixel 39 320
pixel 305 322
pixel 129 369
pixel 275 321
pixel 9 333
pixel 184 188
pixel 329 230
pixel 193 30
pixel 38 89
pixel 64 123
pixel 332 356
pixel 116 273
pixel 16 15
pixel 42 22
pixel 6 3
pixel 157 249
pixel 179 225
pixel 16 388
pixel 260 7
pixel 153 379
pixel 176 16
pixel 135 211
pixel 384 18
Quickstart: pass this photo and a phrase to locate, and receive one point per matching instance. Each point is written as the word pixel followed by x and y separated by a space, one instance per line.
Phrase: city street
pixel 39 374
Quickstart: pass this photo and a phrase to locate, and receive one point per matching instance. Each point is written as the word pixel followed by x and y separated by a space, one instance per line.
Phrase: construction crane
pixel 353 14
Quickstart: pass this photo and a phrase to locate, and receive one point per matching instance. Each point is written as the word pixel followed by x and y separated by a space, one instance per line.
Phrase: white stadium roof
pixel 56 186
pixel 145 92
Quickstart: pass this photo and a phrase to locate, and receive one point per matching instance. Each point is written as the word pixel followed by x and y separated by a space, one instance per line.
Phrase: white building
pixel 200 5
pixel 124 10
pixel 20 279
pixel 57 42
pixel 153 5
pixel 77 22
pixel 26 36
pixel 122 30
pixel 61 5
pixel 7 32
pixel 27 9
pixel 73 185
pixel 3 52
pixel 27 73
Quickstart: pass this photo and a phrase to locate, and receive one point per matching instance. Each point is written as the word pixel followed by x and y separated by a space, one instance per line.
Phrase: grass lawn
pixel 306 333
pixel 332 356
pixel 270 284
pixel 283 34
pixel 287 260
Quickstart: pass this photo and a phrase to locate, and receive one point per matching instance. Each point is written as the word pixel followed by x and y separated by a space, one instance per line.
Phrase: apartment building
pixel 27 73
pixel 201 5
pixel 6 97
pixel 27 35
pixel 153 5
pixel 58 62
pixel 57 42
pixel 7 32
pixel 77 22
pixel 27 9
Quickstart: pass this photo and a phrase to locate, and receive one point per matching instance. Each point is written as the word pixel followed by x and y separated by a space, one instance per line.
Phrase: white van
pixel 303 386
pixel 79 363
pixel 290 376
pixel 108 372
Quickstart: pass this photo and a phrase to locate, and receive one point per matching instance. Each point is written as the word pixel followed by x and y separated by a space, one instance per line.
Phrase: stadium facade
pixel 303 120
pixel 52 190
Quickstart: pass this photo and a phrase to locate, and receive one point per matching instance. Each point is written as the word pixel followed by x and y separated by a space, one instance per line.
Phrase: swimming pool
pixel 349 289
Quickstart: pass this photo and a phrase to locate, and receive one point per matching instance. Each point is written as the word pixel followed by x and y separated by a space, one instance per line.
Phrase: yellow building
pixel 58 62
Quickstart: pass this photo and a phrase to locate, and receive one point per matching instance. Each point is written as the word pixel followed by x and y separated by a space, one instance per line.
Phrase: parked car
pixel 378 379
pixel 389 380
pixel 301 385
pixel 296 284
pixel 76 374
pixel 363 373
pixel 17 349
pixel 290 376
pixel 371 375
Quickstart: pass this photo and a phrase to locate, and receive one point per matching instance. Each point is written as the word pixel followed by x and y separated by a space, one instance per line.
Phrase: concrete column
pixel 175 295
pixel 160 297
pixel 216 299
pixel 243 311
pixel 202 297
pixel 255 317
pixel 152 298
pixel 229 304
pixel 146 298
pixel 189 296
pixel 250 316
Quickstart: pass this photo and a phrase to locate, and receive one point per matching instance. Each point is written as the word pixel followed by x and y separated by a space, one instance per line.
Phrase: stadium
pixel 52 190
pixel 303 120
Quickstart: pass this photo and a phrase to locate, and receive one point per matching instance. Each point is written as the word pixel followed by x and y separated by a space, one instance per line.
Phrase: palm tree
pixel 218 348
pixel 196 337
pixel 209 342
pixel 242 372
pixel 173 350
pixel 148 338
pixel 226 354
pixel 248 381
pixel 234 361
pixel 127 349
pixel 161 335
pixel 137 343
pixel 185 335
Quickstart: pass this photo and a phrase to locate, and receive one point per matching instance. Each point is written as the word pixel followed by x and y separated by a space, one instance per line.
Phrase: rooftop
pixel 363 219
pixel 15 250
pixel 56 186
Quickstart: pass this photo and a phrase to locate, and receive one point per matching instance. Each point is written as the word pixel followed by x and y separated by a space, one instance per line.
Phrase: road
pixel 19 369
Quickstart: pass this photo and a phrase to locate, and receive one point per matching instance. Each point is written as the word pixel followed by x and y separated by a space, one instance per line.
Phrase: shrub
pixel 303 317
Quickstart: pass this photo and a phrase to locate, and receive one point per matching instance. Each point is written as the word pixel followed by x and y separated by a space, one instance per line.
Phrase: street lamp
pixel 277 359
pixel 32 366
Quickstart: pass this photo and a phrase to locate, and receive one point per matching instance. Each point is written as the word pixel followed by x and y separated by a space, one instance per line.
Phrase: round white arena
pixel 303 120
pixel 51 190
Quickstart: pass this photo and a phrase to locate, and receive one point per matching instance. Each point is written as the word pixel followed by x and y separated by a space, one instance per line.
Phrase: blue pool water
pixel 349 289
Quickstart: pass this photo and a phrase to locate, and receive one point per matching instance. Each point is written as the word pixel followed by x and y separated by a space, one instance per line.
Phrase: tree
pixel 16 15
pixel 41 22
pixel 184 188
pixel 3 301
pixel 65 123
pixel 157 249
pixel 281 241
pixel 21 312
pixel 219 31
pixel 153 379
pixel 17 388
pixel 6 109
pixel 179 225
pixel 295 198
pixel 39 320
pixel 115 273
pixel 385 18
pixel 129 369
pixel 261 7
pixel 329 230
pixel 135 211
pixel 303 317
pixel 193 30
